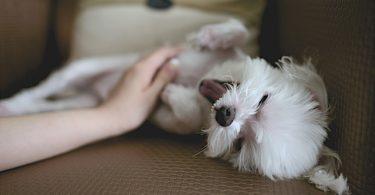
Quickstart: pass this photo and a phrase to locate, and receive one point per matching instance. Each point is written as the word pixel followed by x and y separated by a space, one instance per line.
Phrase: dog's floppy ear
pixel 306 73
pixel 325 174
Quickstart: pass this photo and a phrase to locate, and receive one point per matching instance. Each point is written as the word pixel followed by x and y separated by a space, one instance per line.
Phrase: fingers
pixel 163 77
pixel 150 65
pixel 159 57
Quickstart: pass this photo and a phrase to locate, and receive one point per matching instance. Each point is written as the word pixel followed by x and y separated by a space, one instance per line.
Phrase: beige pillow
pixel 109 27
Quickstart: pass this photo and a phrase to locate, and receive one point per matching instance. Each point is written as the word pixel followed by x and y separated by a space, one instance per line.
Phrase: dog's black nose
pixel 225 116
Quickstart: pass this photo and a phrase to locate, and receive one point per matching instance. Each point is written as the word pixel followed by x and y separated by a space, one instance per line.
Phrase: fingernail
pixel 175 62
pixel 171 68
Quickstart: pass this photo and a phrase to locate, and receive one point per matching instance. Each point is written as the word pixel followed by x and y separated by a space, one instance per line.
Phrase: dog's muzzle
pixel 213 90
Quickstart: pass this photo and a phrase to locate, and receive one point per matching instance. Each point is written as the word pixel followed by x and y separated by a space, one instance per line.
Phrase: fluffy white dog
pixel 260 118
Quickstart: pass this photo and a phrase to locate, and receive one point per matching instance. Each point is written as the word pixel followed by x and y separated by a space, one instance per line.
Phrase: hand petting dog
pixel 137 92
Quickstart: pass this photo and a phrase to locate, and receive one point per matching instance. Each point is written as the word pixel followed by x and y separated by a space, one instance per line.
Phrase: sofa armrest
pixel 340 38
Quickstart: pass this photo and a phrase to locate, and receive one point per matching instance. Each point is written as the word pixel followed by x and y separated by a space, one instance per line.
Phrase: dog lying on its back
pixel 272 120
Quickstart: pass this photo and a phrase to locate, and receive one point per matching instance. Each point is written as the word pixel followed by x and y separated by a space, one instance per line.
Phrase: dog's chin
pixel 223 140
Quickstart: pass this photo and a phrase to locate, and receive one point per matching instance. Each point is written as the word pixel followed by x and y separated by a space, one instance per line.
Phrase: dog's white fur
pixel 282 138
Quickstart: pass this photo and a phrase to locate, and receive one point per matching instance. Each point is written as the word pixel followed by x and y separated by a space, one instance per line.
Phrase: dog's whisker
pixel 201 132
pixel 202 150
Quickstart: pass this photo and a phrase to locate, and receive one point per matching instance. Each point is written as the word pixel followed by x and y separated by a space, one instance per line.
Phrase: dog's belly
pixel 106 83
pixel 194 64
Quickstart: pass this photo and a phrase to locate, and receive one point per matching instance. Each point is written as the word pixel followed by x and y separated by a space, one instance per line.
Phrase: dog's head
pixel 271 119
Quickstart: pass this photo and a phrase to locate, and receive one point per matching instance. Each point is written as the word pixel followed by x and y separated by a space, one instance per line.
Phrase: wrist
pixel 117 123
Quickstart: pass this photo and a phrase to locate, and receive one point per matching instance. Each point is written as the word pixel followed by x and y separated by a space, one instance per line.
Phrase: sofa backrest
pixel 23 32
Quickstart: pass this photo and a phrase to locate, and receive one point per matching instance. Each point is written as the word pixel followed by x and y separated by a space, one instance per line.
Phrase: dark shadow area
pixel 269 45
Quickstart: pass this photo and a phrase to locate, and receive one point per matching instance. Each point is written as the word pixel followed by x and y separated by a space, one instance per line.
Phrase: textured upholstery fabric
pixel 340 38
pixel 148 162
pixel 23 32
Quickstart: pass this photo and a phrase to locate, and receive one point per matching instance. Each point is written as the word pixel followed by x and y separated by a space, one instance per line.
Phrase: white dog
pixel 261 118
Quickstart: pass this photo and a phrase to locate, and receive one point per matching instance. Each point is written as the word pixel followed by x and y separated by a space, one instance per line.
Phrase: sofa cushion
pixel 144 162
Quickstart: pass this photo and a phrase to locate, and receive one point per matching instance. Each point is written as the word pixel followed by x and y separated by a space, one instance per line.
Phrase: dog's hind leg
pixel 74 74
pixel 84 100
pixel 164 118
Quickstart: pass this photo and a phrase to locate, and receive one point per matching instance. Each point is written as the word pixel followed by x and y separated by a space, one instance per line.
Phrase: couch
pixel 338 35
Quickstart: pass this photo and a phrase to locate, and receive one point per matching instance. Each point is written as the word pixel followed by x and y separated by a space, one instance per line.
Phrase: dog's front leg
pixel 181 112
pixel 225 35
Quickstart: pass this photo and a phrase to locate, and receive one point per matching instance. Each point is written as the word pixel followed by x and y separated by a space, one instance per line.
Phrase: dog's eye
pixel 263 100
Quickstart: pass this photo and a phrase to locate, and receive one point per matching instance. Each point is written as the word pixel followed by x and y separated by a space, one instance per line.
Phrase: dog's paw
pixel 8 109
pixel 16 106
pixel 222 36
pixel 167 93
pixel 4 111
pixel 233 159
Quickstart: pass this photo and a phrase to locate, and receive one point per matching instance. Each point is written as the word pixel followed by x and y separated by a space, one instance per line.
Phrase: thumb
pixel 166 74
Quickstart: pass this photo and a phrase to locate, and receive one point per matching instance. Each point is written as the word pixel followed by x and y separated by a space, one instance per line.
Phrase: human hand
pixel 137 92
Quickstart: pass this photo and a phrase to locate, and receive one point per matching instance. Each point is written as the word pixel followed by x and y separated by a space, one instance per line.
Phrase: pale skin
pixel 29 138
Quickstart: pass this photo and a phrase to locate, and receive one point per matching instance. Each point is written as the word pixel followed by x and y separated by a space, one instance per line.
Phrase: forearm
pixel 26 139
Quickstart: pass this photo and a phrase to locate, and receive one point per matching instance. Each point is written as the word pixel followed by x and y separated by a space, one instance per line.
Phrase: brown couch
pixel 339 35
